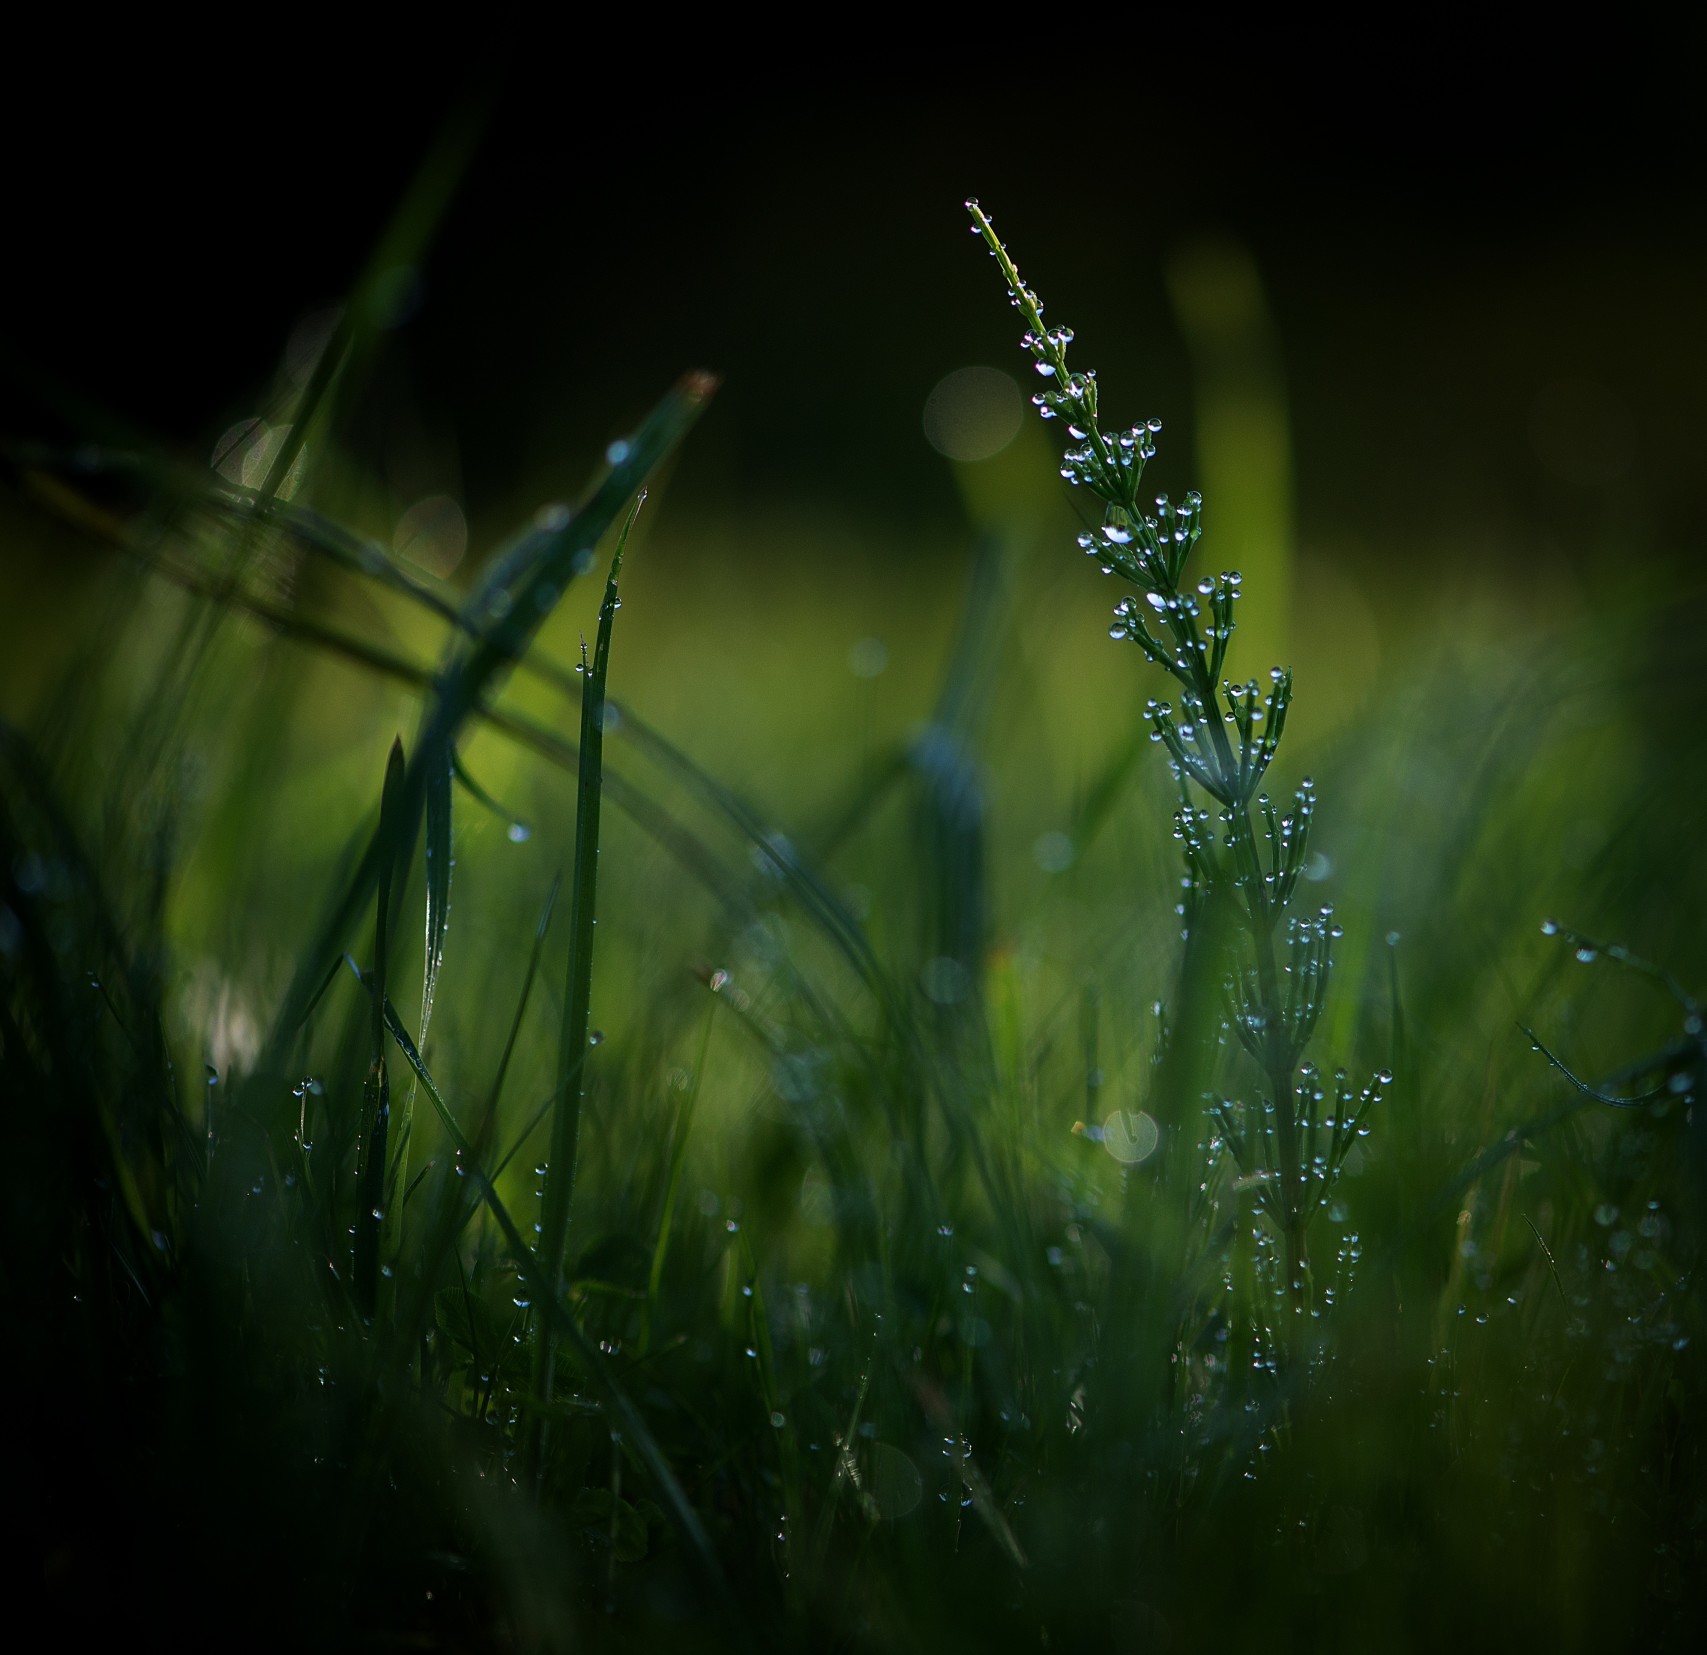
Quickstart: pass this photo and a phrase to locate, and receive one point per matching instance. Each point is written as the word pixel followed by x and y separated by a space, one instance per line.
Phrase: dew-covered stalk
pixel 1221 739
pixel 572 1054
pixel 376 1092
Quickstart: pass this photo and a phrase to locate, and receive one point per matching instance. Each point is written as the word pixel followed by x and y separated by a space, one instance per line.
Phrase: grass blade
pixel 438 877
pixel 373 302
pixel 547 558
pixel 583 901
pixel 376 1093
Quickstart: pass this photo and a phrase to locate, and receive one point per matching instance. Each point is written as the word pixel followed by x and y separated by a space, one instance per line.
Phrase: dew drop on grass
pixel 596 1038
pixel 868 657
pixel 519 833
pixel 1053 852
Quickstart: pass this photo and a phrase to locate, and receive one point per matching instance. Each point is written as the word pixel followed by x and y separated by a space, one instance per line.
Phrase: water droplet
pixel 1054 851
pixel 868 657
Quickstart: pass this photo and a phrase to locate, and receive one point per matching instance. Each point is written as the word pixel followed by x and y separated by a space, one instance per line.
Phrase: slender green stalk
pixel 376 1093
pixel 438 854
pixel 678 1160
pixel 583 903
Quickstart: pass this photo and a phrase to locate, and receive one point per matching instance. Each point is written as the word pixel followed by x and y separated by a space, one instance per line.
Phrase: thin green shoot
pixel 376 1092
pixel 577 1005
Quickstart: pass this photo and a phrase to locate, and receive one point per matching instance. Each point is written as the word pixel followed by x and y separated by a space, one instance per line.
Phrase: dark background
pixel 1449 227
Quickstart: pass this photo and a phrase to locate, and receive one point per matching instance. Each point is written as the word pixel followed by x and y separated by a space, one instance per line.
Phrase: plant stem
pixel 572 1053
pixel 1113 471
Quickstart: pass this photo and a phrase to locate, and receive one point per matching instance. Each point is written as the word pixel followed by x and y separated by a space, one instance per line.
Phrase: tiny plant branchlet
pixel 1240 848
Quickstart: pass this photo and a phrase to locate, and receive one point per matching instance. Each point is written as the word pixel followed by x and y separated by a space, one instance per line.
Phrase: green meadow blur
pixel 1461 481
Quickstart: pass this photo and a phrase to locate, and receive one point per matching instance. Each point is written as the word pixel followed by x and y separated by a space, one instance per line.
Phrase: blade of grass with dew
pixel 818 901
pixel 454 1209
pixel 678 1160
pixel 548 557
pixel 376 1093
pixel 516 828
pixel 438 855
pixel 572 1053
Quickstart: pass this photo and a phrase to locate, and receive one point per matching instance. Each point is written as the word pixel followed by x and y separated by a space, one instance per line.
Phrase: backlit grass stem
pixel 583 901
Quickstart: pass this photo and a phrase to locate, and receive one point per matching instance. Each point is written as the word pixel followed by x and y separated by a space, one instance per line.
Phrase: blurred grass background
pixel 1440 386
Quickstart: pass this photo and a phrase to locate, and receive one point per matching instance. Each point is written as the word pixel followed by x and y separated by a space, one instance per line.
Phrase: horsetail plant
pixel 1240 848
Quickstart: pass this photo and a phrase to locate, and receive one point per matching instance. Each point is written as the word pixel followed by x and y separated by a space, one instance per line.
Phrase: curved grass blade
pixel 518 829
pixel 547 558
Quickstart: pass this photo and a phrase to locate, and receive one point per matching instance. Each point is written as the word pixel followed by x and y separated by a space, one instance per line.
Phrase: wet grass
pixel 925 1282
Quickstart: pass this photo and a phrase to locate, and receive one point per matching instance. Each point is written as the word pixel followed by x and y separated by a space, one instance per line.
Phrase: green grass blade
pixel 438 854
pixel 518 829
pixel 438 766
pixel 583 902
pixel 376 1093
pixel 678 1160
pixel 372 304
pixel 556 551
